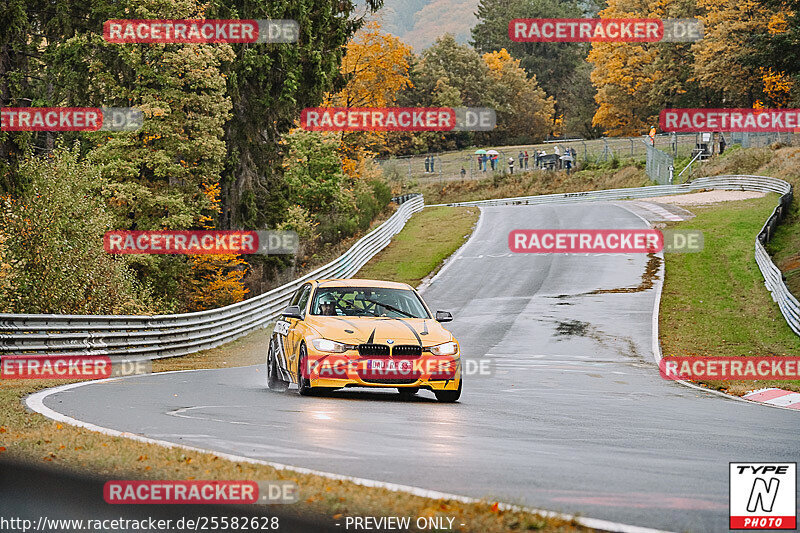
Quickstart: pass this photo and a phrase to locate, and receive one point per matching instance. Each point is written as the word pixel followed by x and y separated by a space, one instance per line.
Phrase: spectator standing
pixel 511 164
pixel 526 160
pixel 567 158
pixel 536 159
pixel 521 160
pixel 427 164
pixel 433 160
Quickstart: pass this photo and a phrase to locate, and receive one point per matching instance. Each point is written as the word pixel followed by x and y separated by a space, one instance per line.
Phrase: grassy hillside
pixel 420 22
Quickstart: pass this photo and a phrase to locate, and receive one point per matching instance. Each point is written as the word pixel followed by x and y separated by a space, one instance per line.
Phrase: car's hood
pixel 359 330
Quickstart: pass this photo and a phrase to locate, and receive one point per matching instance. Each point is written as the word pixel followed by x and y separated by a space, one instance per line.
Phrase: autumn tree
pixel 216 280
pixel 447 74
pixel 559 68
pixel 524 111
pixel 376 67
pixel 776 53
pixel 721 58
pixel 269 85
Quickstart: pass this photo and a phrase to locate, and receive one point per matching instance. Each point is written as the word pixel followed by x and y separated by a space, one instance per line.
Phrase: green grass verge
pixel 715 303
pixel 427 239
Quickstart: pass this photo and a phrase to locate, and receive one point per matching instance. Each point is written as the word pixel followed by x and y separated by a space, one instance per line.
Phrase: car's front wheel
pixel 303 383
pixel 274 381
pixel 449 396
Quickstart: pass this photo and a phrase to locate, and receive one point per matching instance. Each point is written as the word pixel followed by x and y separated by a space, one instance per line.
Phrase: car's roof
pixel 362 283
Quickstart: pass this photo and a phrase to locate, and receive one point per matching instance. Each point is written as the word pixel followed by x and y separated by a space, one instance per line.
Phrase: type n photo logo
pixel 763 495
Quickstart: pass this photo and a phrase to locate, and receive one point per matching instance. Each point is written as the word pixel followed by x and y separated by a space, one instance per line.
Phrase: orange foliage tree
pixel 376 66
pixel 215 280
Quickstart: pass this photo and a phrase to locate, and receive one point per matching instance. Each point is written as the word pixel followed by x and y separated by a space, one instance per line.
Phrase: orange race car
pixel 363 333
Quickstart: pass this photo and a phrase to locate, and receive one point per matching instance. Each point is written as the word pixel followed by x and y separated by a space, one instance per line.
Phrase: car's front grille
pixel 391 381
pixel 373 349
pixel 407 350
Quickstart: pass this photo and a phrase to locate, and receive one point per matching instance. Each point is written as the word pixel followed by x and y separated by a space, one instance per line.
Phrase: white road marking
pixel 35 402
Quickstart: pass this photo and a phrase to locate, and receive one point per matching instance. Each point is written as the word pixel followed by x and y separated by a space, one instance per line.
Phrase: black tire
pixel 406 393
pixel 303 384
pixel 274 381
pixel 449 396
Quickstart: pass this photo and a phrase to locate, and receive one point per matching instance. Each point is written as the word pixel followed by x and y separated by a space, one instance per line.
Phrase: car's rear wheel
pixel 407 392
pixel 274 381
pixel 303 383
pixel 449 396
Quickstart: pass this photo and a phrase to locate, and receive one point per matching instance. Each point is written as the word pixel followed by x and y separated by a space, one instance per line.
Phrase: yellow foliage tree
pixel 777 86
pixel 622 76
pixel 720 63
pixel 216 280
pixel 376 67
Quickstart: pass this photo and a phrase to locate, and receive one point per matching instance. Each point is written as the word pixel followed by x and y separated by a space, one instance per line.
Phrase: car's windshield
pixel 367 301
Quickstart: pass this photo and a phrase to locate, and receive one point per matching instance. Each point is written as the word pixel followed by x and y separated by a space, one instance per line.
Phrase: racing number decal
pixel 282 327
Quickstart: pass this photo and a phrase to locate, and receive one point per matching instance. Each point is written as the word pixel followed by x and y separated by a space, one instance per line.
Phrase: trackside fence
pixel 151 337
pixel 659 165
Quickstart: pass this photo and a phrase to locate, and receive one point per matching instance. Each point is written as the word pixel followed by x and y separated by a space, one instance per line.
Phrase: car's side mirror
pixel 443 316
pixel 293 311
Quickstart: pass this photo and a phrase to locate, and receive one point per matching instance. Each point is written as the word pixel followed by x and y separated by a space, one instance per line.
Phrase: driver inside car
pixel 327 306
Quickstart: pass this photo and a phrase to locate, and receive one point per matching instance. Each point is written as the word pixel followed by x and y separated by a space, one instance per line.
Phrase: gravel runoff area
pixel 704 198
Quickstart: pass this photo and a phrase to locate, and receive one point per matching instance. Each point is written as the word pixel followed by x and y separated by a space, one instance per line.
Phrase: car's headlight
pixel 324 345
pixel 448 348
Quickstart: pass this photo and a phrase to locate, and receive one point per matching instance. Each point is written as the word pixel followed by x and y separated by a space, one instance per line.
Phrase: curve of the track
pixel 574 417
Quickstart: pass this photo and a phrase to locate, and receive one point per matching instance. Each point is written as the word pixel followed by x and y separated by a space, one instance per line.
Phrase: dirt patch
pixel 705 197
pixel 648 277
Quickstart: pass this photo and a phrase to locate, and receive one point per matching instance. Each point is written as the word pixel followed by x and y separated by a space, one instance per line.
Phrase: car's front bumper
pixel 427 371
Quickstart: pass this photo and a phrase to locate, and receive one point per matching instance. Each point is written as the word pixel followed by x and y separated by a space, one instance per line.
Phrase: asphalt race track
pixel 574 417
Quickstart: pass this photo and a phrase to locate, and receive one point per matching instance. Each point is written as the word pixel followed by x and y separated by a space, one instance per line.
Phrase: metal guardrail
pixel 151 337
pixel 171 335
pixel 773 277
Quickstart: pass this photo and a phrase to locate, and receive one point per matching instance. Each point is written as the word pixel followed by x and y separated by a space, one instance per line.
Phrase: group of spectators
pixel 486 160
pixel 561 158
pixel 430 162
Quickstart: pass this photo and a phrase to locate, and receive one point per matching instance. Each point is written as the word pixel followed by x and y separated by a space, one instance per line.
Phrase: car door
pixel 295 329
